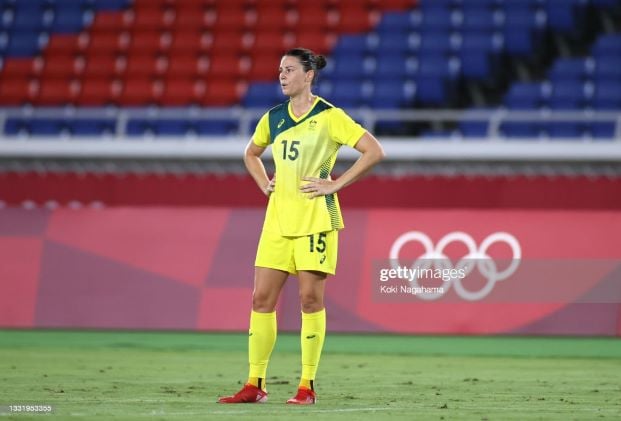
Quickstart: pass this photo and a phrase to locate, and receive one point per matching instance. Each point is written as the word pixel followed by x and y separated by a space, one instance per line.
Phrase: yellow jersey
pixel 304 146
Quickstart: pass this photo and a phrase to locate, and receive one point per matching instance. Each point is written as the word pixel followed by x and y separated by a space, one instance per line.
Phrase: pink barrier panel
pixel 405 271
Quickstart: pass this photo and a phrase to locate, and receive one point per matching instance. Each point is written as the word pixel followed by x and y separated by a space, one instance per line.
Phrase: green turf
pixel 139 375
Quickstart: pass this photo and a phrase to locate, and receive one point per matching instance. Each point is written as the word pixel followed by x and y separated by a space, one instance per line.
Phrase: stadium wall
pixel 191 268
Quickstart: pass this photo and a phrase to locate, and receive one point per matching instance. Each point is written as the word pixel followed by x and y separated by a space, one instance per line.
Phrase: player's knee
pixel 310 302
pixel 263 302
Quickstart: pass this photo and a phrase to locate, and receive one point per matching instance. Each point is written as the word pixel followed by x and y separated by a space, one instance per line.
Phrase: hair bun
pixel 320 61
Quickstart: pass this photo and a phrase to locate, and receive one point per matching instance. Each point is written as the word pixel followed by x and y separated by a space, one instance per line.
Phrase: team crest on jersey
pixel 312 124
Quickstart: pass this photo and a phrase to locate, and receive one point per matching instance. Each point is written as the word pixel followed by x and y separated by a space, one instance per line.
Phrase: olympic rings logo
pixel 476 257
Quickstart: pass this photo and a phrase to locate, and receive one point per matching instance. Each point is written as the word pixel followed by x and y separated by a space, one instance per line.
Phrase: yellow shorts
pixel 317 252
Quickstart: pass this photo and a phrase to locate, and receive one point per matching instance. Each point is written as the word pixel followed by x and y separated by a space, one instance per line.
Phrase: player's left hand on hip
pixel 318 186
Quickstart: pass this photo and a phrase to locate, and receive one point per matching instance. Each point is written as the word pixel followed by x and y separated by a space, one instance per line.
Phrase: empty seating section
pixel 384 54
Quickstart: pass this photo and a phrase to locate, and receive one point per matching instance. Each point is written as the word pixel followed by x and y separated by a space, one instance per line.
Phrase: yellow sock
pixel 312 337
pixel 261 340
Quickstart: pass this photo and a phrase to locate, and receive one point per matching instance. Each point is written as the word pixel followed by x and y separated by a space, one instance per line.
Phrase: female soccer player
pixel 300 232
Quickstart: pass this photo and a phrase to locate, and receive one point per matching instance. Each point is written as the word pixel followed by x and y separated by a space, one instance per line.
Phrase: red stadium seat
pixel 145 66
pixel 110 22
pixel 17 90
pixel 54 92
pixel 19 68
pixel 314 19
pixel 274 19
pixel 140 92
pixel 231 19
pixel 317 40
pixel 98 92
pixel 190 41
pixel 152 19
pixel 225 67
pixel 230 42
pixel 103 65
pixel 187 66
pixel 357 20
pixel 190 19
pixel 62 44
pixel 222 93
pixel 182 92
pixel 149 42
pixel 62 66
pixel 108 42
pixel 264 67
pixel 271 42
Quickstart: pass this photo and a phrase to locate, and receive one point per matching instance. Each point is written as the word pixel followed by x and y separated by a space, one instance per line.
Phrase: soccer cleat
pixel 248 394
pixel 305 396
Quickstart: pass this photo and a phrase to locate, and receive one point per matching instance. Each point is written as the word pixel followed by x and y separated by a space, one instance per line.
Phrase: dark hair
pixel 309 60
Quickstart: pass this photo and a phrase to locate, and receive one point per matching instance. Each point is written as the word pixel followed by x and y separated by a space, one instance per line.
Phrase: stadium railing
pixel 492 146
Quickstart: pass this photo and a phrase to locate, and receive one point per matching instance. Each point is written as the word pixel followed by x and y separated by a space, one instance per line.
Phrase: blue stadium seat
pixel 395 67
pixel 570 70
pixel 27 20
pixel 607 96
pixel 171 127
pixel 350 94
pixel 392 43
pixel 607 46
pixel 263 94
pixel 92 127
pixel 474 128
pixel 111 4
pixel 522 29
pixel 605 4
pixel 524 96
pixel 565 129
pixel 348 67
pixel 569 96
pixel 46 127
pixel 391 93
pixel 566 16
pixel 139 127
pixel 439 19
pixel 602 130
pixel 434 43
pixel 216 127
pixel 608 69
pixel 519 129
pixel 483 19
pixel 395 22
pixel 352 44
pixel 15 126
pixel 70 20
pixel 23 44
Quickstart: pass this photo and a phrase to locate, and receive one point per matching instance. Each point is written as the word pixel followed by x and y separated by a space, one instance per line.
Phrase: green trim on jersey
pixel 280 120
pixel 324 172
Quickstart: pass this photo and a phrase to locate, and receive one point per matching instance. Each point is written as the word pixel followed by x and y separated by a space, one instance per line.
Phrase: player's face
pixel 293 79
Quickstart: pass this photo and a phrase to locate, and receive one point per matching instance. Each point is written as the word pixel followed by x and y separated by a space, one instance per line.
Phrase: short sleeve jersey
pixel 304 146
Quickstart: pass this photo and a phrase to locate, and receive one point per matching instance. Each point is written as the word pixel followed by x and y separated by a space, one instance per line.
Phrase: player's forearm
pixel 256 169
pixel 362 166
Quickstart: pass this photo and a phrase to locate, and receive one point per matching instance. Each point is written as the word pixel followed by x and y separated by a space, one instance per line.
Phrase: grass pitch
pixel 140 375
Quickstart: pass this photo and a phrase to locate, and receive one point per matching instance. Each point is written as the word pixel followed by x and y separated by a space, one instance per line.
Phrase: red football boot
pixel 248 394
pixel 305 396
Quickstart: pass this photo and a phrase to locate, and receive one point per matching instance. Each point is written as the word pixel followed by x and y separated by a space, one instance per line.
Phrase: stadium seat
pixel 570 70
pixel 71 20
pixel 98 92
pixel 216 127
pixel 23 44
pixel 518 129
pixel 182 92
pixel 524 96
pixel 16 91
pixel 607 96
pixel 91 127
pixel 55 92
pixel 608 45
pixel 262 95
pixel 171 127
pixel 566 16
pixel 569 96
pixel 392 93
pixel 608 69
